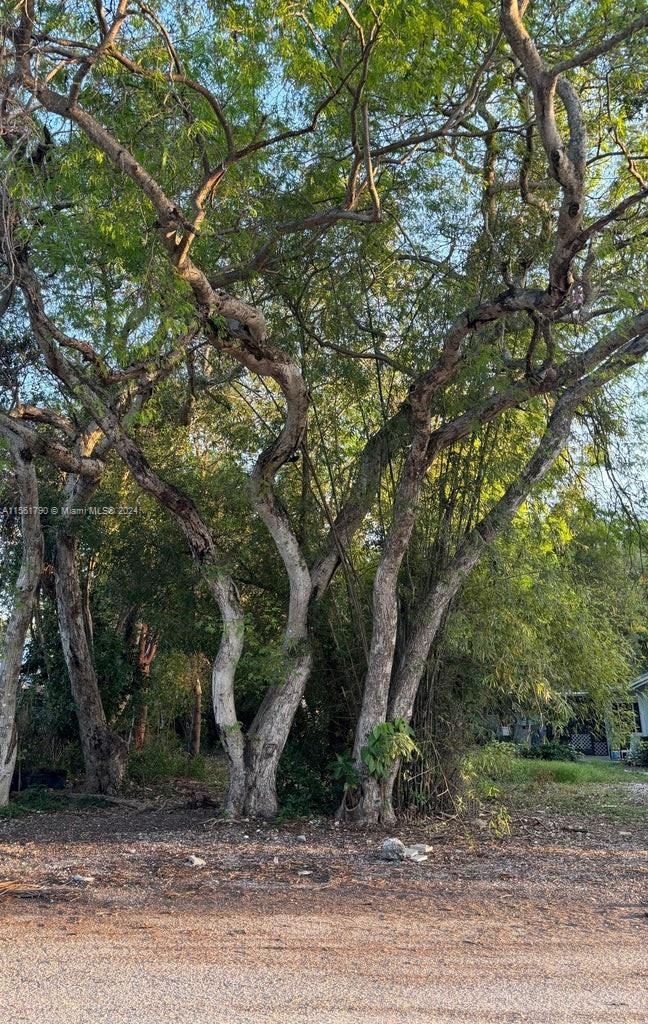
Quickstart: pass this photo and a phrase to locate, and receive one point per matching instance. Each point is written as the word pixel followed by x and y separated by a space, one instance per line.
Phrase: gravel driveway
pixel 301 924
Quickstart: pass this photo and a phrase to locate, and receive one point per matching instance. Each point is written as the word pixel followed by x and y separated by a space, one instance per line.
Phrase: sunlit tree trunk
pixel 271 727
pixel 365 801
pixel 409 671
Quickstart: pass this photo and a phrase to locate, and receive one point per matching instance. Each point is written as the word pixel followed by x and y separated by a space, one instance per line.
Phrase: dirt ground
pixel 303 923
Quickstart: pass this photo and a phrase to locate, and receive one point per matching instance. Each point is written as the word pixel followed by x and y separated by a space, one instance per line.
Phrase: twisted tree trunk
pixel 269 731
pixel 25 591
pixel 365 802
pixel 444 588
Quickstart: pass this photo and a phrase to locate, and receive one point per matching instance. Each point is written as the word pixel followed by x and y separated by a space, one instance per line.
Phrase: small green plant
pixel 343 770
pixel 494 761
pixel 386 744
pixel 499 821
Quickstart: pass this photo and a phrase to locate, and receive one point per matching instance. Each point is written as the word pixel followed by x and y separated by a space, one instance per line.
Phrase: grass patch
pixel 572 773
pixel 591 791
pixel 497 764
pixel 38 800
pixel 598 804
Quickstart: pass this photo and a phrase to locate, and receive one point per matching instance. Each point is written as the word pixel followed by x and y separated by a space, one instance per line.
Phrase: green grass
pixel 594 804
pixel 590 791
pixel 44 801
pixel 498 763
pixel 572 773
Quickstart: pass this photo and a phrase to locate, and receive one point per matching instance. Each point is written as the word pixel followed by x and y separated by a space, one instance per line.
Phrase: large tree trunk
pixel 104 753
pixel 365 802
pixel 227 658
pixel 140 726
pixel 272 724
pixel 446 586
pixel 269 732
pixel 23 603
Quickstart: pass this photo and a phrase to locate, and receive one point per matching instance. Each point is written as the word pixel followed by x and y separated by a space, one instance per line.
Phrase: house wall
pixel 642 700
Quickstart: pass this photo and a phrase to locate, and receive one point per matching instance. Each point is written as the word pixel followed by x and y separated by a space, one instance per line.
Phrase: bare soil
pixel 303 922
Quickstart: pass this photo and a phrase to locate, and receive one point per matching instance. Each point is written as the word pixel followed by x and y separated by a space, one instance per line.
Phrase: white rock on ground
pixel 420 848
pixel 392 849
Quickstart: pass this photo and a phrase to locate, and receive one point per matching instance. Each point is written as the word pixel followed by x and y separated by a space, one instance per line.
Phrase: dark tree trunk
pixel 140 727
pixel 196 719
pixel 104 753
pixel 146 652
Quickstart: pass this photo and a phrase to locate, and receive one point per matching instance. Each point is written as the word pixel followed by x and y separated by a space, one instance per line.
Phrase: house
pixel 639 697
pixel 601 740
pixel 587 732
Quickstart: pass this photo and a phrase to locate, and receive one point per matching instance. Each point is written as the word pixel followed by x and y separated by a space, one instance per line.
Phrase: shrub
pixel 386 744
pixel 552 750
pixel 161 761
pixel 639 756
pixel 493 761
pixel 302 788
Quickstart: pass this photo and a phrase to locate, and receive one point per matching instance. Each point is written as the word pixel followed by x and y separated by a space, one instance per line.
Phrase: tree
pixel 26 586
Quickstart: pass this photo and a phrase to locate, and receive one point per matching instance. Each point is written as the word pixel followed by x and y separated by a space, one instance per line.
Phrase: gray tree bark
pixel 409 672
pixel 11 652
pixel 270 729
pixel 364 802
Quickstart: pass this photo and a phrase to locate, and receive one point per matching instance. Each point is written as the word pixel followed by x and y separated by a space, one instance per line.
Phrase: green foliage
pixel 343 770
pixel 558 603
pixel 163 760
pixel 386 744
pixel 499 820
pixel 557 606
pixel 639 756
pixel 302 788
pixel 493 760
pixel 551 750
